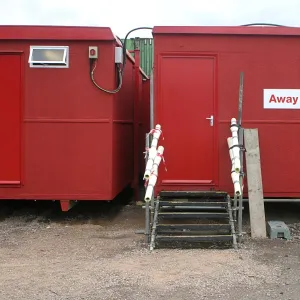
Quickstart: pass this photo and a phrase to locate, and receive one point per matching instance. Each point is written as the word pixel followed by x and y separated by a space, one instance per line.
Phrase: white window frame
pixel 49 64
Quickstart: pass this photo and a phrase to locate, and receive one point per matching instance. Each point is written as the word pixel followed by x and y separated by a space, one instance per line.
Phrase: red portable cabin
pixel 196 82
pixel 62 138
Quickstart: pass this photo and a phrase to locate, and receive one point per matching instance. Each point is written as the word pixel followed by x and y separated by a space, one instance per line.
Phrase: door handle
pixel 211 118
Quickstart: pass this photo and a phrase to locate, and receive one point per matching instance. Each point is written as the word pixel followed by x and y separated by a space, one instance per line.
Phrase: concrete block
pixel 278 229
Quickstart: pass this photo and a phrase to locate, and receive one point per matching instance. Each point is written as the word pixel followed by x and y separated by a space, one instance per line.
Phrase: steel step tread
pixel 193 209
pixel 213 229
pixel 193 226
pixel 192 203
pixel 193 194
pixel 194 238
pixel 195 200
pixel 193 214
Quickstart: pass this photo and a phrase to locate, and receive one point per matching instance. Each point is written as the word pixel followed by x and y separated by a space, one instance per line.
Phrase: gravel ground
pixel 93 252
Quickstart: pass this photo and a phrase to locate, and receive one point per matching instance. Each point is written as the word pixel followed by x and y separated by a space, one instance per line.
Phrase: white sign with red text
pixel 282 98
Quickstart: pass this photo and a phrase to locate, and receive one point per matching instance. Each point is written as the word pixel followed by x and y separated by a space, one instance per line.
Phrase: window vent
pixel 49 57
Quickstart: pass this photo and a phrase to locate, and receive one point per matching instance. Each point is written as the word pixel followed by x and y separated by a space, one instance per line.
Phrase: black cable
pixel 263 24
pixel 119 70
pixel 124 44
pixel 120 79
pixel 120 40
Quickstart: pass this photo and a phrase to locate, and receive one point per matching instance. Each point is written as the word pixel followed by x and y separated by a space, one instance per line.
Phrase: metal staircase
pixel 195 217
pixel 192 217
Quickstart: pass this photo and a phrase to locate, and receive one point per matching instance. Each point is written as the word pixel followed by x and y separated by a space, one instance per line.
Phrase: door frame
pixel 158 108
pixel 20 183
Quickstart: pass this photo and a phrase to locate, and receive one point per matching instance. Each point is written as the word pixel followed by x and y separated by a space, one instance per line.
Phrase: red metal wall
pixel 123 132
pixel 10 116
pixel 145 121
pixel 77 141
pixel 269 58
pixel 123 125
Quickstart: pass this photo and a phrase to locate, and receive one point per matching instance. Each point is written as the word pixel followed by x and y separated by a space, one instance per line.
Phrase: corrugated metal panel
pixel 146 50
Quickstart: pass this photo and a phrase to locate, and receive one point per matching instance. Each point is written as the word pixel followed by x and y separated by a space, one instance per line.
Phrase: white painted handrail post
pixel 155 155
pixel 154 174
pixel 152 151
pixel 235 176
pixel 234 152
pixel 235 144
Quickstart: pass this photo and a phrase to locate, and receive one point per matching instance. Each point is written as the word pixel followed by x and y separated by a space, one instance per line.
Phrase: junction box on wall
pixel 93 52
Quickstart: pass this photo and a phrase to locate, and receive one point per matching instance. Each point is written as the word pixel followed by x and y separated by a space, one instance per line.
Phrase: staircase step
pixel 192 203
pixel 193 194
pixel 192 209
pixel 181 215
pixel 195 200
pixel 194 238
pixel 181 228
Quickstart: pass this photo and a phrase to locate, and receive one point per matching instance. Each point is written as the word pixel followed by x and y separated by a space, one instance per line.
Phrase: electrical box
pixel 93 52
pixel 118 55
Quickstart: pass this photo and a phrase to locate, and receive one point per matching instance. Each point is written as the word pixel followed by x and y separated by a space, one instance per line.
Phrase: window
pixel 49 57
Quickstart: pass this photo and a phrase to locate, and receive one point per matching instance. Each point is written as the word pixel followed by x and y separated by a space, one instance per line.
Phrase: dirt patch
pixel 88 255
